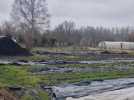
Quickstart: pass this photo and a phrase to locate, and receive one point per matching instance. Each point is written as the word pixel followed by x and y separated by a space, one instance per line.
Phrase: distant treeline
pixel 30 20
pixel 66 34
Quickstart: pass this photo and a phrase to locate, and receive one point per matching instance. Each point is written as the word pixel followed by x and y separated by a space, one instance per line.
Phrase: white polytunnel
pixel 116 45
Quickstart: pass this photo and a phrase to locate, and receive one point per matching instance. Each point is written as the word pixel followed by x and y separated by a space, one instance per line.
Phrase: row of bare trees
pixel 66 34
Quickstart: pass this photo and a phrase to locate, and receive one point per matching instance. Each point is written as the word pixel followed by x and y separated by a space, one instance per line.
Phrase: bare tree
pixel 31 15
pixel 131 37
pixel 7 28
pixel 63 32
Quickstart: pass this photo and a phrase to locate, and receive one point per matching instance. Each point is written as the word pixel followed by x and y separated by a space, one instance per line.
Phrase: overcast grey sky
pixel 107 13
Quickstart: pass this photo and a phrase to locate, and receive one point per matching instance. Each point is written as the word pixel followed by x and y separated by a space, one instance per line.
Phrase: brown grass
pixel 5 95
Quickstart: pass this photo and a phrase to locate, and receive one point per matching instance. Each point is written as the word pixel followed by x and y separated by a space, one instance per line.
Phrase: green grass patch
pixel 41 95
pixel 116 64
pixel 44 95
pixel 48 57
pixel 65 49
pixel 79 65
pixel 12 75
pixel 59 78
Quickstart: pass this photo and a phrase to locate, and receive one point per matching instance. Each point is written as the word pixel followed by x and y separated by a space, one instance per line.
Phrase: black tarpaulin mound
pixel 9 47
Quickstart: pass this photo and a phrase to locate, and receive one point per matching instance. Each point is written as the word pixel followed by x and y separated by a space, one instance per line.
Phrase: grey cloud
pixel 5 8
pixel 94 12
pixel 85 12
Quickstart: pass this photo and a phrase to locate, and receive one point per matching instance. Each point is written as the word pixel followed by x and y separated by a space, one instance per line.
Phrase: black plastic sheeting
pixel 10 47
pixel 86 88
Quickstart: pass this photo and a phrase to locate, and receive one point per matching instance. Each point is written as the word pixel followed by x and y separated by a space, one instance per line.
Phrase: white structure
pixel 116 45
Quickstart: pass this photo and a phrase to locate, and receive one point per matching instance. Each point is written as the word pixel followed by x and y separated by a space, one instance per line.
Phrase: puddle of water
pixel 64 62
pixel 105 61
